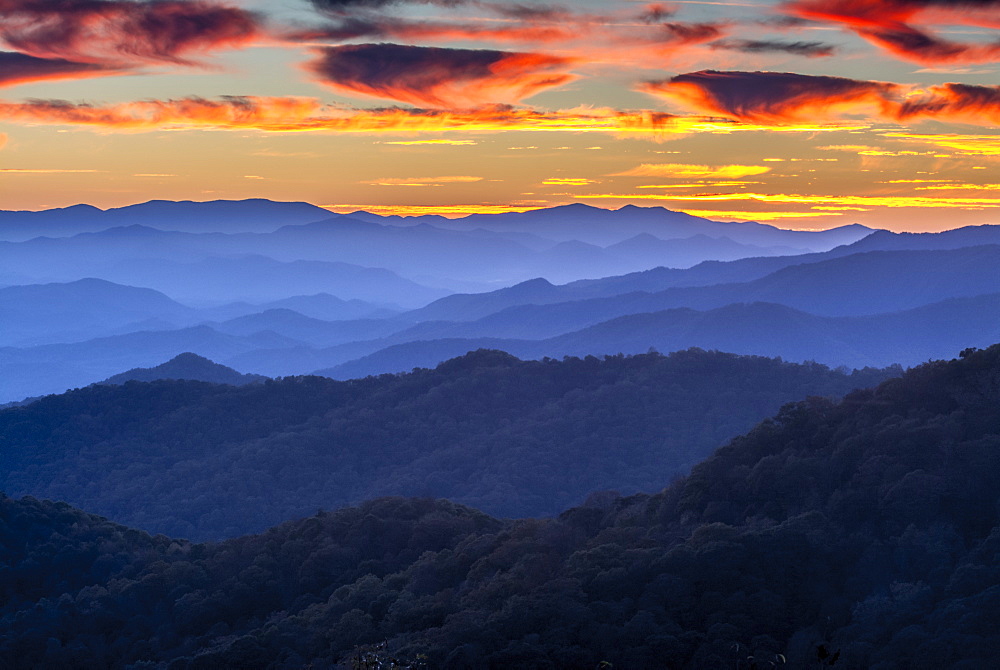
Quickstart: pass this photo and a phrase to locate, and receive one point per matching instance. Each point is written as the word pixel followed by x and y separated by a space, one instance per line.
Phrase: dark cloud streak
pixel 18 68
pixel 807 49
pixel 437 76
pixel 121 32
pixel 785 97
pixel 770 96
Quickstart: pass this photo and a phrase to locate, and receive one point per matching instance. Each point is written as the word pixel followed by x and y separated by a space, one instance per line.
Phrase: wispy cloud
pixel 450 211
pixel 43 171
pixel 422 181
pixel 805 199
pixel 435 142
pixel 981 145
pixel 295 114
pixel 750 215
pixel 682 171
pixel 569 181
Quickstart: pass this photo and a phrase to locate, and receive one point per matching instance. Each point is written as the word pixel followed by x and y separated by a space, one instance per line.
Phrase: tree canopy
pixel 859 533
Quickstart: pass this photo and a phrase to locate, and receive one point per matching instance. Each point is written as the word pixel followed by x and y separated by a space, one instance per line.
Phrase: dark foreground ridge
pixel 859 534
pixel 510 437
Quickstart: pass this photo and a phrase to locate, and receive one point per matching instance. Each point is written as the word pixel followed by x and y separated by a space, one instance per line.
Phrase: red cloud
pixel 120 31
pixel 437 77
pixel 891 25
pixel 773 96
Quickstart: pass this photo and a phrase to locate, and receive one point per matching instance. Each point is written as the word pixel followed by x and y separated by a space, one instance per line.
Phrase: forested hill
pixel 511 437
pixel 859 534
pixel 187 366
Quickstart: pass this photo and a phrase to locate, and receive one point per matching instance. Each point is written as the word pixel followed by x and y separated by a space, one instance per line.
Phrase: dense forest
pixel 510 437
pixel 863 533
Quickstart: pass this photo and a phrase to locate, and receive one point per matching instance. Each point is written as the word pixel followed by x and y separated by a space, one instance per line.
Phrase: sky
pixel 806 114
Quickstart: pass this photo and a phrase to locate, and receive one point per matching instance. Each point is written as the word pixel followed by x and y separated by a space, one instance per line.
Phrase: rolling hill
pixel 518 438
pixel 860 534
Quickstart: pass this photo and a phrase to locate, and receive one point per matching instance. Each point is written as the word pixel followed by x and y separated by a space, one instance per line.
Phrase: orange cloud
pixel 448 211
pixel 453 143
pixel 300 114
pixel 799 199
pixel 435 76
pixel 422 181
pixel 568 181
pixel 955 102
pixel 981 145
pixel 295 114
pixel 679 171
pixel 960 187
pixel 700 184
pixel 748 215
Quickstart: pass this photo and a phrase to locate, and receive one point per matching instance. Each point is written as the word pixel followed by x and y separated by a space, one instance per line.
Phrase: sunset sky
pixel 804 114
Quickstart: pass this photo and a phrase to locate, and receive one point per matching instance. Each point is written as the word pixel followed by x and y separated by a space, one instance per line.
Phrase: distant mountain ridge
pixel 61 312
pixel 604 227
pixel 836 283
pixel 561 243
pixel 906 337
pixel 252 215
pixel 269 288
pixel 832 309
pixel 52 368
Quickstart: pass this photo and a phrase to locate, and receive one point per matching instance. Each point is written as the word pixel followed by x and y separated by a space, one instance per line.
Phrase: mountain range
pixel 269 288
pixel 472 252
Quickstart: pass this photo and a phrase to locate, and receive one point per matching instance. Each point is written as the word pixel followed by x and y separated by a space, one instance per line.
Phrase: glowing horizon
pixel 800 114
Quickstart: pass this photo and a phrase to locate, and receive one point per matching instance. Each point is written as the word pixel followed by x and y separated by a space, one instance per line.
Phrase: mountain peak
pixel 188 366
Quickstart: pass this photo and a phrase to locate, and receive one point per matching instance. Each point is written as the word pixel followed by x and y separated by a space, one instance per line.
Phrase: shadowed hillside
pixel 859 534
pixel 518 438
